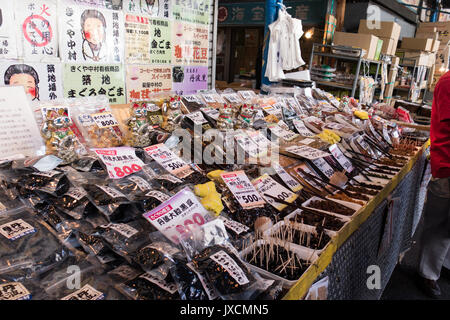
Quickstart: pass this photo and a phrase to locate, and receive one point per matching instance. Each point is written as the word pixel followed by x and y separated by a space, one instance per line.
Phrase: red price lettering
pixel 126 170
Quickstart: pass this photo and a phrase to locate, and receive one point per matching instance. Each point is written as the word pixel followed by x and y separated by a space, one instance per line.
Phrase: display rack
pixel 321 50
pixel 412 63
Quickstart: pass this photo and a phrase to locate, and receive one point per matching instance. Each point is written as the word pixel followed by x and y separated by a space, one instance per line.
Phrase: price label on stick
pixel 175 216
pixel 341 158
pixel 120 162
pixel 324 167
pixel 307 152
pixel 242 189
pixel 271 190
pixel 302 129
pixel 293 184
pixel 105 120
pixel 168 160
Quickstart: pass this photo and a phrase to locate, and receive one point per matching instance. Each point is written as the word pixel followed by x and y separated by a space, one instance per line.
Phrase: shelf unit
pixel 412 63
pixel 321 50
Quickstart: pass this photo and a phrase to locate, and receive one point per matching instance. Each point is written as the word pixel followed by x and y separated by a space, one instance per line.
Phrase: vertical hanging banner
pixel 144 80
pixel 193 11
pixel 190 44
pixel 87 80
pixel 152 8
pixel 8 44
pixel 42 81
pixel 90 35
pixel 137 39
pixel 188 80
pixel 160 45
pixel 37 33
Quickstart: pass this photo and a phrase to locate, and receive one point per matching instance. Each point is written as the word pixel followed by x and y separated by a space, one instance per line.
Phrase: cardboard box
pixel 417 44
pixel 422 58
pixel 389 46
pixel 357 40
pixel 387 29
pixel 378 51
pixel 435 47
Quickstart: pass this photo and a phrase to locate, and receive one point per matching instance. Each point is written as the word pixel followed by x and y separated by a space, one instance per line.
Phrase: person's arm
pixel 443 100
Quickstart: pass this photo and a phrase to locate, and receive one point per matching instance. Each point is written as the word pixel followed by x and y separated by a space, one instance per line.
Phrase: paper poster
pixel 144 80
pixel 161 44
pixel 87 80
pixel 36 28
pixel 152 8
pixel 90 35
pixel 20 135
pixel 188 80
pixel 109 4
pixel 190 44
pixel 8 44
pixel 137 39
pixel 193 11
pixel 42 81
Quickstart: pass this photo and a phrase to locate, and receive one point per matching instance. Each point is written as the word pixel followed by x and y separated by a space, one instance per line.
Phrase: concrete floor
pixel 402 285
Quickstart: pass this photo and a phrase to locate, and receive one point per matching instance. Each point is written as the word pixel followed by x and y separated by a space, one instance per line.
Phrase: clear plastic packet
pixel 210 252
pixel 16 285
pixel 93 285
pixel 192 284
pixel 156 253
pixel 88 164
pixel 149 287
pixel 74 203
pixel 53 182
pixel 151 199
pixel 56 130
pixel 125 238
pixel 171 113
pixel 165 180
pixel 133 186
pixel 192 103
pixel 111 202
pixel 96 122
pixel 28 243
pixel 138 125
pixel 46 210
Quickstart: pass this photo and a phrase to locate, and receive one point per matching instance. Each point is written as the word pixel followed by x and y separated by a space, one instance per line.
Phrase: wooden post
pixel 340 14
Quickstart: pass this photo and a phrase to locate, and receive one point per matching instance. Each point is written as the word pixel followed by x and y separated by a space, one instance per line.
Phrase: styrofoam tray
pixel 346 218
pixel 293 248
pixel 305 228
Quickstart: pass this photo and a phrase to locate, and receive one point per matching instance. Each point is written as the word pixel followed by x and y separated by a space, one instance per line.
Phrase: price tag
pixel 365 146
pixel 247 94
pixel 259 114
pixel 283 125
pixel 197 118
pixel 174 216
pixel 158 195
pixel 235 226
pixel 209 98
pixel 193 98
pixel 247 144
pixel 282 133
pixel 301 128
pixel 16 229
pixel 14 291
pixel 324 167
pixel 105 120
pixel 293 184
pixel 268 186
pixel 119 162
pixel 307 152
pixel 141 183
pixel 122 228
pixel 113 193
pixel 231 97
pixel 307 141
pixel 85 293
pixel 261 141
pixel 168 160
pixel 242 189
pixel 341 158
pixel 275 110
pixel 386 134
pixel 310 181
pixel 222 258
pixel 374 132
pixel 76 193
pixel 211 112
pixel 334 126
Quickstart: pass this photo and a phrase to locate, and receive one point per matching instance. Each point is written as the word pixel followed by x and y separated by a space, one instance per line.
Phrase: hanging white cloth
pixel 284 46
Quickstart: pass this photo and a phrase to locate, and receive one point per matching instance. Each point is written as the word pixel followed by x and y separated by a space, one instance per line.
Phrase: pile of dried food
pixel 218 195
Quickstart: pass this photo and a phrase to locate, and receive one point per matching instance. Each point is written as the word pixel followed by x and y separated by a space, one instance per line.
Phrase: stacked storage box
pixel 387 31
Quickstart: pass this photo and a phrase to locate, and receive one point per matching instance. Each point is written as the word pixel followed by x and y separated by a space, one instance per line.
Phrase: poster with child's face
pixel 90 35
pixel 42 81
pixel 8 45
pixel 37 31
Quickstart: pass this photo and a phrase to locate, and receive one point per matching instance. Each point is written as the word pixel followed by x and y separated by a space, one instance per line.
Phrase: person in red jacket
pixel 435 250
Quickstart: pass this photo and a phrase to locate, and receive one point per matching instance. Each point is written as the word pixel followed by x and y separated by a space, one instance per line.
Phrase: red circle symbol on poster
pixel 222 14
pixel 37 30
